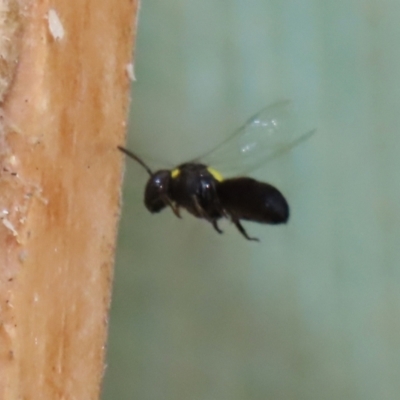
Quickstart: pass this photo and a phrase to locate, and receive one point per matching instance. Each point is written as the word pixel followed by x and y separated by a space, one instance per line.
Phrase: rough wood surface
pixel 63 115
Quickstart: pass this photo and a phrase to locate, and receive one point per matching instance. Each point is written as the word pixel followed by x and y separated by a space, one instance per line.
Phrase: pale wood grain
pixel 63 116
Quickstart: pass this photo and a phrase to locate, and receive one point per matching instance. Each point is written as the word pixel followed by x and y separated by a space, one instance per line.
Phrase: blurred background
pixel 312 311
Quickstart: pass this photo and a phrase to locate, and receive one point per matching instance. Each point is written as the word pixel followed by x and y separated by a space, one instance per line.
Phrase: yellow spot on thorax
pixel 217 176
pixel 175 173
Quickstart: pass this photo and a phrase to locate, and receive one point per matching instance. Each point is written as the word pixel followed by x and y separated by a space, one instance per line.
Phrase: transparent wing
pixel 274 130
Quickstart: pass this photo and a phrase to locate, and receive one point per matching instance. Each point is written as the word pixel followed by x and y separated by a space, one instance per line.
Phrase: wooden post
pixel 64 86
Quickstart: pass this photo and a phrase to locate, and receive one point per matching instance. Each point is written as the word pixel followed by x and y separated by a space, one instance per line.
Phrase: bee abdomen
pixel 249 199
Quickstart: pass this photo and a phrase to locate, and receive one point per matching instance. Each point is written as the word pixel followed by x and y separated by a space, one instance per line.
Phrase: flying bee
pixel 202 190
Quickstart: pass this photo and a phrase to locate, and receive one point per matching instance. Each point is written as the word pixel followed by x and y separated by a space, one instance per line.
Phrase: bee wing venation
pixel 272 131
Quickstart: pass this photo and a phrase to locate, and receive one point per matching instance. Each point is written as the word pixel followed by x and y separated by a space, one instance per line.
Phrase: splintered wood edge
pixel 64 88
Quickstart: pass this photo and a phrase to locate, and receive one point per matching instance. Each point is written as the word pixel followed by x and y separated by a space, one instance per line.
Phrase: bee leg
pixel 203 214
pixel 174 208
pixel 216 227
pixel 240 228
pixel 200 209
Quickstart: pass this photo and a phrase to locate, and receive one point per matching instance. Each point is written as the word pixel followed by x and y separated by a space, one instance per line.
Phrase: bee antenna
pixel 136 158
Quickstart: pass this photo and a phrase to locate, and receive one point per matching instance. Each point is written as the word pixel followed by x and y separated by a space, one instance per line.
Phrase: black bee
pixel 204 193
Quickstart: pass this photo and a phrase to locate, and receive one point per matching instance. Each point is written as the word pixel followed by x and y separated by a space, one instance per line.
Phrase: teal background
pixel 312 312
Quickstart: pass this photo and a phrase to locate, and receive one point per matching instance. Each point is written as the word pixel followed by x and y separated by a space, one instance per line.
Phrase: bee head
pixel 156 191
